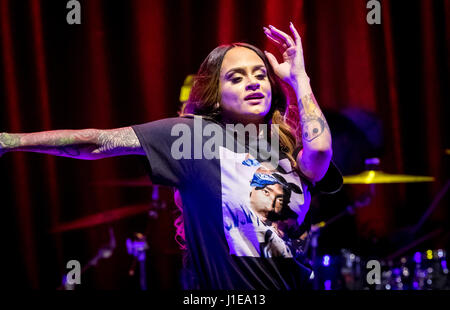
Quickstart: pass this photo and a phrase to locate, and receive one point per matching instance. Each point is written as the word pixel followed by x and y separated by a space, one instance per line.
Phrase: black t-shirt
pixel 227 187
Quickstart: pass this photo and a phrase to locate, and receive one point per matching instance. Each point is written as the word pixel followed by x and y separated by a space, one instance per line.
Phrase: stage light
pixel 405 272
pixel 444 266
pixel 186 88
pixel 326 260
pixel 417 257
pixel 327 285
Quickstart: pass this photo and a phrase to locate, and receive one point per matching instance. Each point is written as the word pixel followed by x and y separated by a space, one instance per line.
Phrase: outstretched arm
pixel 86 144
pixel 314 158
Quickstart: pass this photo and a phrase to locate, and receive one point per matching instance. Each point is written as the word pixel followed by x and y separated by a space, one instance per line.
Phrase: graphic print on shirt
pixel 258 203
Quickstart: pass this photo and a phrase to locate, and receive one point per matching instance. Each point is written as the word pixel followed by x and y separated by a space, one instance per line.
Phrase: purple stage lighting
pixel 418 257
pixel 326 260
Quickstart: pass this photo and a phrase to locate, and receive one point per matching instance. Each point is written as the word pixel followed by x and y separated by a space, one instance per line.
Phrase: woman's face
pixel 245 89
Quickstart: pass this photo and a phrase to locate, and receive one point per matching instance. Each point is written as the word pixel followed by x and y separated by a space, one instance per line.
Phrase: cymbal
pixel 102 218
pixel 139 182
pixel 378 177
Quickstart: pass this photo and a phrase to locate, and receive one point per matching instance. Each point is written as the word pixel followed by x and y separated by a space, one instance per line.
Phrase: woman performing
pixel 243 174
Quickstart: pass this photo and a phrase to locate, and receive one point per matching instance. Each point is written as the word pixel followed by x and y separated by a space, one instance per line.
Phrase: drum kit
pixel 348 271
pixel 424 270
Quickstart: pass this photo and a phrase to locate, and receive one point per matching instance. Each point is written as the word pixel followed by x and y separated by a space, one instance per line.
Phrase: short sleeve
pixel 156 139
pixel 332 181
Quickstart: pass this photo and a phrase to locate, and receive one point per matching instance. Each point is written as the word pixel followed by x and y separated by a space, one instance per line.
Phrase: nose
pixel 252 85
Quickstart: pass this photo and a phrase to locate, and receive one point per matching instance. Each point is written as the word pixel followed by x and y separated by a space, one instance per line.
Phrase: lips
pixel 254 96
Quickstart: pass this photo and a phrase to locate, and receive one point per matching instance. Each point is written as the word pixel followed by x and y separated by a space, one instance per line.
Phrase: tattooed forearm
pixel 67 143
pixel 120 141
pixel 314 158
pixel 81 144
pixel 8 141
pixel 312 119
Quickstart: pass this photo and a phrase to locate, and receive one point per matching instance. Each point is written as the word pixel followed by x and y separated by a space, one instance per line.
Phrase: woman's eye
pixel 261 76
pixel 236 80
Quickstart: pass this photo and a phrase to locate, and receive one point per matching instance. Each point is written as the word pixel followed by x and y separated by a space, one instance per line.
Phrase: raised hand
pixel 292 69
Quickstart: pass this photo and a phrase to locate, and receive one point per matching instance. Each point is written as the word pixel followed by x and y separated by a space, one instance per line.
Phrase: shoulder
pixel 164 122
pixel 168 123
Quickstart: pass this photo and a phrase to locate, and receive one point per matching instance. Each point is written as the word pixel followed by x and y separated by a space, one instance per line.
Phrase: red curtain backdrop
pixel 124 65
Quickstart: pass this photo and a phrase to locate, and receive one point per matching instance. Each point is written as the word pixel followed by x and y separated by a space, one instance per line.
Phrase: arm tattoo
pixel 9 140
pixel 82 144
pixel 311 118
pixel 66 143
pixel 121 141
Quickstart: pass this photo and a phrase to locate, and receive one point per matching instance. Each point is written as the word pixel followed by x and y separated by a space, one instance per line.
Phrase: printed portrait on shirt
pixel 258 203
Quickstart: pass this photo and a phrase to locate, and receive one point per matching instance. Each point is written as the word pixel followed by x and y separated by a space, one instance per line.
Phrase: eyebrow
pixel 270 189
pixel 242 70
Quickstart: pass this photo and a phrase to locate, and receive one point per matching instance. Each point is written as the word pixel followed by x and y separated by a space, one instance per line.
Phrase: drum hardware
pixel 313 237
pixel 423 271
pixel 415 243
pixel 104 252
pixel 350 270
pixel 426 276
pixel 352 265
pixel 431 208
pixel 380 177
pixel 103 218
pixel 137 246
pixel 372 175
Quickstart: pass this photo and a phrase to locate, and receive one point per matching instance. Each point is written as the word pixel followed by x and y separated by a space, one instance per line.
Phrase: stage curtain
pixel 125 64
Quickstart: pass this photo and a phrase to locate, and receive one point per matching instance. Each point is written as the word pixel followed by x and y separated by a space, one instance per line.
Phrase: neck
pixel 231 119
